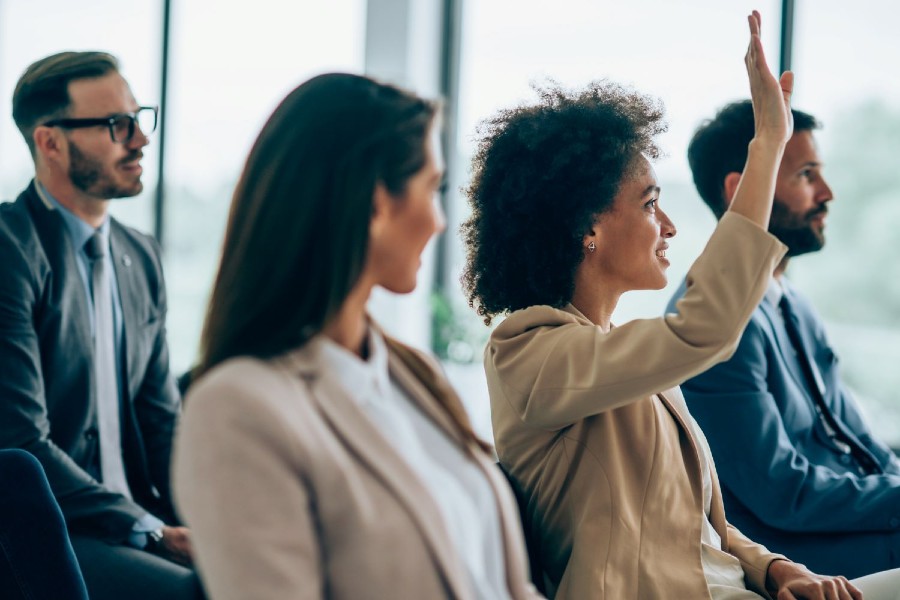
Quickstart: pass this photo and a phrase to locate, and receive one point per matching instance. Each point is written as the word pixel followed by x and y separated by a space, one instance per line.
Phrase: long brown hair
pixel 298 229
pixel 299 222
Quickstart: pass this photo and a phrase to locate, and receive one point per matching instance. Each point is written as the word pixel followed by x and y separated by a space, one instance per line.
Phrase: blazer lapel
pixel 693 457
pixel 717 507
pixel 359 434
pixel 785 347
pixel 131 299
pixel 57 245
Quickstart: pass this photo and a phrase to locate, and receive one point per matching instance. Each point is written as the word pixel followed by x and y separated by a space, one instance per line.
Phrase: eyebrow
pixel 650 189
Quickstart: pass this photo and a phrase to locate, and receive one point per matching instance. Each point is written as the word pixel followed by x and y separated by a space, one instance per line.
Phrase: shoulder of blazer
pixel 527 321
pixel 27 230
pixel 19 219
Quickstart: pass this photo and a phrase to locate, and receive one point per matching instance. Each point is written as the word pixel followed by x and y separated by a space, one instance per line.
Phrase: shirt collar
pixel 366 380
pixel 80 231
pixel 777 289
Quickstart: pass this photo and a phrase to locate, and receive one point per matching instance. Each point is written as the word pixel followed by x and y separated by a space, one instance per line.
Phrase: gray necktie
pixel 112 468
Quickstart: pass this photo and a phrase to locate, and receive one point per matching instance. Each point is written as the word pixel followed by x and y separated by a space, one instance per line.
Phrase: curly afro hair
pixel 543 173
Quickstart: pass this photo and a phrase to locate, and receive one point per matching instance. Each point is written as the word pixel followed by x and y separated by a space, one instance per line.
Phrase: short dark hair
pixel 42 93
pixel 543 173
pixel 719 147
pixel 298 229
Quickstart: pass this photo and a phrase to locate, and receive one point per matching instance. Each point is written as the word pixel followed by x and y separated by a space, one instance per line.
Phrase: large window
pixel 231 66
pixel 844 55
pixel 30 30
pixel 694 63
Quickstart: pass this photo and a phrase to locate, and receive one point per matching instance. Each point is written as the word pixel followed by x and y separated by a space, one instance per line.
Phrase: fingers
pixel 786 594
pixel 755 22
pixel 852 591
pixel 756 57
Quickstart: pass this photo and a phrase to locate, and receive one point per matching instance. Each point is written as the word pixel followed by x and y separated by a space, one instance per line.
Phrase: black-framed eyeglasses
pixel 121 126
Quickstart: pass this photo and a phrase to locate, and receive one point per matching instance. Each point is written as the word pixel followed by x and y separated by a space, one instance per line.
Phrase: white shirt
pixel 724 575
pixel 457 484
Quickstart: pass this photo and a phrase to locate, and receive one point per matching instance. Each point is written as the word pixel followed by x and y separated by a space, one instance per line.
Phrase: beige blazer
pixel 292 492
pixel 609 467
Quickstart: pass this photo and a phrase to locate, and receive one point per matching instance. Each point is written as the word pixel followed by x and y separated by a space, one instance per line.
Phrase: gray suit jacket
pixel 47 403
pixel 292 492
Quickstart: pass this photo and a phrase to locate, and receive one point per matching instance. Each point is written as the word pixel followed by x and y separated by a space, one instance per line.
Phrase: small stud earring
pixel 591 247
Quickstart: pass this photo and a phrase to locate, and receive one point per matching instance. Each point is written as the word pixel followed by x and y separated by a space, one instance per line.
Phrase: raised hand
pixel 771 97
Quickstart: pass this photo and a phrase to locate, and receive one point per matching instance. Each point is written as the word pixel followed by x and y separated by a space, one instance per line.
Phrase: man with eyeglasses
pixel 84 367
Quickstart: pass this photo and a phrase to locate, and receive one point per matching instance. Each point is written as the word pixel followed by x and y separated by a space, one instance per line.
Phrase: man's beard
pixel 90 176
pixel 797 231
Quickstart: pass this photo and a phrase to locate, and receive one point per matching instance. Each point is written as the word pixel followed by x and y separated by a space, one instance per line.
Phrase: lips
pixel 132 162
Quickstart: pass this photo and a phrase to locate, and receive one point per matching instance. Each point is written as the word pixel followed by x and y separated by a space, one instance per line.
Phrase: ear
pixel 48 142
pixel 592 236
pixel 730 186
pixel 382 205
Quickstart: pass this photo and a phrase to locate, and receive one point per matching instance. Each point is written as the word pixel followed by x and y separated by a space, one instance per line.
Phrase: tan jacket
pixel 292 492
pixel 610 469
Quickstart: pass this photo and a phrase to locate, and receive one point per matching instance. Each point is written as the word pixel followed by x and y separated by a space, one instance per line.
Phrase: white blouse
pixel 460 489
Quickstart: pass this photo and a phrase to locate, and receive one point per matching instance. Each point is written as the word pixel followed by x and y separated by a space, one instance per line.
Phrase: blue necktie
pixel 835 428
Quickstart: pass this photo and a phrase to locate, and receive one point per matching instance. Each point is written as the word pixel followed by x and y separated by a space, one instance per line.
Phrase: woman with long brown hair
pixel 318 457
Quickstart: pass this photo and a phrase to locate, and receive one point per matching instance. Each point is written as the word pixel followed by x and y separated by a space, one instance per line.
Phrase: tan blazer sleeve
pixel 261 543
pixel 755 559
pixel 556 371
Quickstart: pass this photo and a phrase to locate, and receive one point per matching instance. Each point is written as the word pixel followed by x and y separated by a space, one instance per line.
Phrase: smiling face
pixel 98 167
pixel 801 197
pixel 630 238
pixel 402 225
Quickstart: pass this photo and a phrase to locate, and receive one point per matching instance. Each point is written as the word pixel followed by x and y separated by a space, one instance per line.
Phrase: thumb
pixel 787 84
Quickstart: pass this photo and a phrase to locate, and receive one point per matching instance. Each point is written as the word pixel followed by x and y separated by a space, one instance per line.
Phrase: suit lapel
pixel 57 244
pixel 717 508
pixel 694 468
pixel 783 342
pixel 131 300
pixel 366 442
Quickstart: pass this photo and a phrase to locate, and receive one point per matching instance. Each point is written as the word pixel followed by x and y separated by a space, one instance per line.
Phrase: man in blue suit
pixel 800 470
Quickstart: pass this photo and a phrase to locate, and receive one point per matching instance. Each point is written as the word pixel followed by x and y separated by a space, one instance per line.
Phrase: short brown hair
pixel 42 92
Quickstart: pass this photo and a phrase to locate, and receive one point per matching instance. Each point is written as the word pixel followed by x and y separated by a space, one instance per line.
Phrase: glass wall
pixel 693 62
pixel 32 29
pixel 230 69
pixel 844 56
pixel 233 61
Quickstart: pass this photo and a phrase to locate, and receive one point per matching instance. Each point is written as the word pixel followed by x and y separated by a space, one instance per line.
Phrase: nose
pixel 440 220
pixel 666 226
pixel 139 139
pixel 823 191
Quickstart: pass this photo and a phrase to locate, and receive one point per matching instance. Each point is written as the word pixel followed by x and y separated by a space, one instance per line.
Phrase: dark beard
pixel 88 176
pixel 796 231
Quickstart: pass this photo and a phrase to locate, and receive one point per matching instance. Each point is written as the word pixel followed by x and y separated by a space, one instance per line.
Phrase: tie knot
pixel 785 305
pixel 95 247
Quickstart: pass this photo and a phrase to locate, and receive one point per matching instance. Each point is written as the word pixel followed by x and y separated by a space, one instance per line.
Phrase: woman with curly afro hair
pixel 619 494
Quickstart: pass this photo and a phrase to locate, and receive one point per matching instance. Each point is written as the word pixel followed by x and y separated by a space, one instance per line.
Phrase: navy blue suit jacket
pixel 47 387
pixel 784 481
